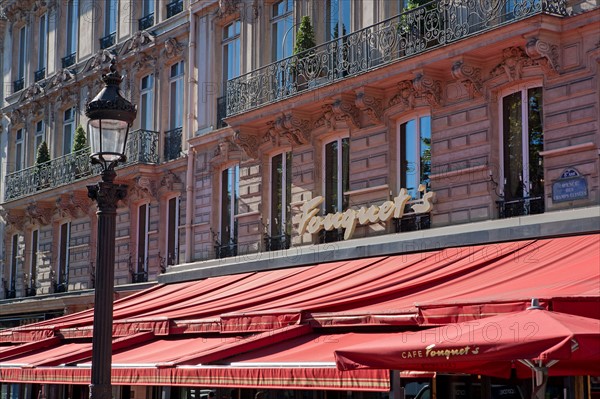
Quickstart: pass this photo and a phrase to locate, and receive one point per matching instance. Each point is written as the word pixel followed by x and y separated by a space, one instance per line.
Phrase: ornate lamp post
pixel 110 116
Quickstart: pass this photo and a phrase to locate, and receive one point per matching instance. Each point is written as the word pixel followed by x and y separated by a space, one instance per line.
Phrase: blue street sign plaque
pixel 570 186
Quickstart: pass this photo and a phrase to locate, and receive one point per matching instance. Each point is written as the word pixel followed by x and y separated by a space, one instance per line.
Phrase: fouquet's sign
pixel 350 218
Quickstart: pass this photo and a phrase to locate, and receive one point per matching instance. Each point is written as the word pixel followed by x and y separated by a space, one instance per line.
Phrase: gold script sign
pixel 350 218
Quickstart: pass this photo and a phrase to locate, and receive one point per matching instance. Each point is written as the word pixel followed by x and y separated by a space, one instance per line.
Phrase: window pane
pixel 63 265
pixel 409 158
pixel 345 172
pixel 22 52
pixel 513 146
pixel 173 225
pixel 277 174
pixel 536 142
pixel 331 177
pixel 43 33
pixel 142 251
pixel 425 150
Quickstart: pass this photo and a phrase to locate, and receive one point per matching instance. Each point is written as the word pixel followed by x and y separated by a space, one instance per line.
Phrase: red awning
pixel 424 288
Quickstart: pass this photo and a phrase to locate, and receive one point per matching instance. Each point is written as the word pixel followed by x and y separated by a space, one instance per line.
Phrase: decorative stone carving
pixel 405 96
pixel 172 48
pixel 69 207
pixel 545 54
pixel 223 150
pixel 370 101
pixel 247 142
pixel 98 60
pixel 137 41
pixel 228 7
pixel 12 220
pixel 62 76
pixel 37 215
pixel 469 76
pixel 346 111
pixel 514 61
pixel 428 88
pixel 326 119
pixel 294 127
pixel 144 60
pixel 16 117
pixel 169 182
pixel 32 91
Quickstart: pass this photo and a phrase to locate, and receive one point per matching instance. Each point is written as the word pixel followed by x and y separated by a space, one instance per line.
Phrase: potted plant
pixel 79 144
pixel 42 156
pixel 305 41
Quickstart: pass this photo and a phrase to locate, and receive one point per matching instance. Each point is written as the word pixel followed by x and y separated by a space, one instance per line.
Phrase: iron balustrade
pixel 172 148
pixel 146 22
pixel 226 250
pixel 18 85
pixel 412 223
pixel 68 60
pixel 108 40
pixel 39 74
pixel 142 147
pixel 520 207
pixel 277 243
pixel 412 32
pixel 174 8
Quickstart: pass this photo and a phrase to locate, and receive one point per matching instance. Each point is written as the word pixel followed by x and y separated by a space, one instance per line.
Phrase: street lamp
pixel 110 116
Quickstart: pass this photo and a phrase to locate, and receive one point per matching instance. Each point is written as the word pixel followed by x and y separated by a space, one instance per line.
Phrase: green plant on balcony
pixel 42 157
pixel 79 144
pixel 305 41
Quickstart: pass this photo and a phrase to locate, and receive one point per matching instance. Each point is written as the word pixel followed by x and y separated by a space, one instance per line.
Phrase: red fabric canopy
pixel 426 288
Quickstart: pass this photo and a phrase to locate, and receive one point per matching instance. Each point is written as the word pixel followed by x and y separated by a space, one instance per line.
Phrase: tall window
pixel 176 96
pixel 414 156
pixel 33 264
pixel 282 32
pixel 147 102
pixel 281 194
pixel 110 16
pixel 336 178
pixel 40 134
pixel 12 278
pixel 141 273
pixel 523 140
pixel 173 231
pixel 231 51
pixel 42 48
pixel 62 278
pixel 20 149
pixel 72 25
pixel 147 7
pixel 22 52
pixel 337 18
pixel 230 186
pixel 68 130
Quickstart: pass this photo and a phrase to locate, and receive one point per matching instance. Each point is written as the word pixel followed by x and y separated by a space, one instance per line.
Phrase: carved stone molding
pixel 99 59
pixel 16 117
pixel 228 7
pixel 428 89
pixel 66 97
pixel 247 142
pixel 37 215
pixel 13 221
pixel 172 48
pixel 224 151
pixel 139 39
pixel 294 127
pixel 33 91
pixel 469 76
pixel 62 76
pixel 370 101
pixel 346 111
pixel 144 60
pixel 169 183
pixel 514 60
pixel 70 207
pixel 405 96
pixel 545 54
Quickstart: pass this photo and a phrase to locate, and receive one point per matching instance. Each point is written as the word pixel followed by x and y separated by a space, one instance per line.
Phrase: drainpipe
pixel 189 184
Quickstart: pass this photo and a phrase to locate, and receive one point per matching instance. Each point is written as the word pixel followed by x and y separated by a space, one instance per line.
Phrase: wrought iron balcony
pixel 172 148
pixel 39 74
pixel 277 243
pixel 226 250
pixel 146 22
pixel 412 223
pixel 424 28
pixel 174 8
pixel 142 147
pixel 18 85
pixel 520 207
pixel 68 60
pixel 108 40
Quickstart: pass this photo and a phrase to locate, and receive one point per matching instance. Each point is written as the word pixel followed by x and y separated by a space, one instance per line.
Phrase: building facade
pixel 403 126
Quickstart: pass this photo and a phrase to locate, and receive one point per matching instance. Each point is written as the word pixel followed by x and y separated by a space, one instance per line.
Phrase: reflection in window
pixel 337 18
pixel 68 130
pixel 141 271
pixel 147 103
pixel 281 194
pixel 20 149
pixel 230 187
pixel 282 32
pixel 173 231
pixel 176 96
pixel 415 154
pixel 337 182
pixel 231 51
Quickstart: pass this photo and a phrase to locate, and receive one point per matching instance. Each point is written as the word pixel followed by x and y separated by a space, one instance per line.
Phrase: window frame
pixel 64 255
pixel 147 111
pixel 14 263
pixel 20 144
pixel 341 10
pixel 142 237
pixel 43 42
pixel 523 88
pixel 286 216
pixel 22 60
pixel 176 104
pixel 111 16
pixel 417 118
pixel 72 27
pixel 33 262
pixel 172 231
pixel 289 34
pixel 341 192
pixel 227 41
pixel 68 122
pixel 39 137
pixel 233 206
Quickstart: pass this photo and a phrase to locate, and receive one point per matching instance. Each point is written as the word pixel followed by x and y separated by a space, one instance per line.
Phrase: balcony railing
pixel 174 8
pixel 226 250
pixel 430 26
pixel 520 207
pixel 146 22
pixel 277 243
pixel 142 147
pixel 39 74
pixel 18 85
pixel 172 148
pixel 68 60
pixel 108 40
